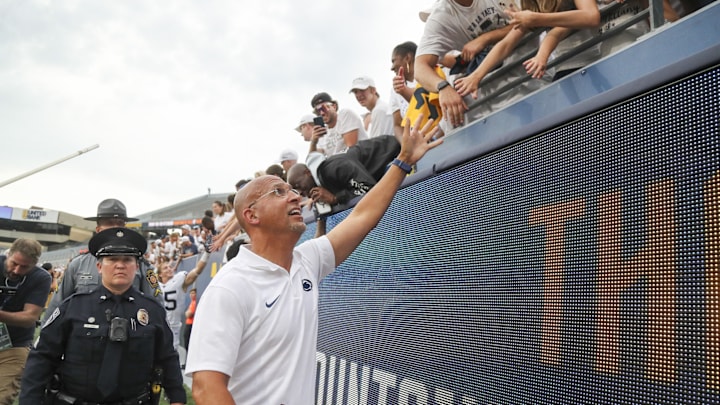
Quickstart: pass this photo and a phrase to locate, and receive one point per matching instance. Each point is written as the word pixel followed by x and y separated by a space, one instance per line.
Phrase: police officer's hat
pixel 111 208
pixel 117 242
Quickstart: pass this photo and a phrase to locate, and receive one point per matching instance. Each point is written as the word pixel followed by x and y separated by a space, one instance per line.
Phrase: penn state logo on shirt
pixel 307 284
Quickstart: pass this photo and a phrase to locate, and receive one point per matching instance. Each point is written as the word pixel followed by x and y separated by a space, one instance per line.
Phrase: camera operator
pixel 107 344
pixel 24 289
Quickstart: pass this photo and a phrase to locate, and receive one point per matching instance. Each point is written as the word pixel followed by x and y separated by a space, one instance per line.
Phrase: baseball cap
pixel 306 119
pixel 288 154
pixel 186 226
pixel 185 239
pixel 321 98
pixel 362 83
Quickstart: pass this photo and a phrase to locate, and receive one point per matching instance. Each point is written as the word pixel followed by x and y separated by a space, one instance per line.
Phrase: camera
pixel 118 329
pixel 321 208
pixel 318 121
pixel 8 291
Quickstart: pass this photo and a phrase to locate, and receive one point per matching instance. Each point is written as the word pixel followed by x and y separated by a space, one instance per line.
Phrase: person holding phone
pixel 341 129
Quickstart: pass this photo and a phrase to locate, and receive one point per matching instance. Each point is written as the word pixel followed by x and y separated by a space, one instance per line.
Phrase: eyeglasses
pixel 279 192
pixel 321 108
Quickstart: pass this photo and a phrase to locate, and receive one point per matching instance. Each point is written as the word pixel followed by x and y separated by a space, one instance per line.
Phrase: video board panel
pixel 578 266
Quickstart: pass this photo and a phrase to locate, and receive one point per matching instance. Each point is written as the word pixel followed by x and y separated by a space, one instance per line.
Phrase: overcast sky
pixel 180 95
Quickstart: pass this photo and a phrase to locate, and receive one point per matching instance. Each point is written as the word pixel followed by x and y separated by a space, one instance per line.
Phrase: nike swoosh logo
pixel 270 304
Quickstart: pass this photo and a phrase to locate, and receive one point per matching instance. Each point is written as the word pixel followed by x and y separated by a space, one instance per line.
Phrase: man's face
pixel 398 62
pixel 166 273
pixel 107 223
pixel 306 130
pixel 287 164
pixel 17 266
pixel 117 272
pixel 364 96
pixel 301 181
pixel 279 211
pixel 328 112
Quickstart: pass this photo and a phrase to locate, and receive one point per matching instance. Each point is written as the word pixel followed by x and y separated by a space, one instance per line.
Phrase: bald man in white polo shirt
pixel 255 330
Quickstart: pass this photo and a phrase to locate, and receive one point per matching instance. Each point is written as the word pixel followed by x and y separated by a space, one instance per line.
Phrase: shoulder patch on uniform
pixel 52 317
pixel 152 279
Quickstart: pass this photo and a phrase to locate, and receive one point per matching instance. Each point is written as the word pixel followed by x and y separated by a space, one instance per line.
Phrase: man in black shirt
pixel 24 289
pixel 342 177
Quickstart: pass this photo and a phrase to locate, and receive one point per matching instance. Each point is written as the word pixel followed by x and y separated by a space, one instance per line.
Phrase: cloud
pixel 181 96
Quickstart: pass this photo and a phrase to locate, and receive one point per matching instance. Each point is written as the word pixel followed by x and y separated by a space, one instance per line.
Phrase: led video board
pixel 580 265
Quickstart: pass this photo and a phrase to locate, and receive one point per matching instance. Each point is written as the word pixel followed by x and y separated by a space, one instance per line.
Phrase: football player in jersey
pixel 174 287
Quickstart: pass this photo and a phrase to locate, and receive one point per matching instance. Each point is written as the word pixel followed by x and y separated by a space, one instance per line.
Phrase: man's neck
pixel 276 250
pixel 464 3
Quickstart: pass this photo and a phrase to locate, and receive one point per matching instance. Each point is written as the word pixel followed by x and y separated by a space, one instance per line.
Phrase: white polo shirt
pixel 257 323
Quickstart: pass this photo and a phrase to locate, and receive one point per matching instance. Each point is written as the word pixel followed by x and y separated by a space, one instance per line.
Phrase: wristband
pixel 402 165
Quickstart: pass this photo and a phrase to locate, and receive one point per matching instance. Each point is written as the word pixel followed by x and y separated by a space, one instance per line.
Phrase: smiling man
pixel 255 330
pixel 381 118
pixel 23 291
pixel 343 128
pixel 105 344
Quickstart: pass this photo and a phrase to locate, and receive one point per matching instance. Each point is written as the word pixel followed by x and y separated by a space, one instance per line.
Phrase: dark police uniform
pixel 74 342
pixel 82 275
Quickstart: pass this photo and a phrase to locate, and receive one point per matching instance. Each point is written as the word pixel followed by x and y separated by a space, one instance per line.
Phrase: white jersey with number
pixel 174 298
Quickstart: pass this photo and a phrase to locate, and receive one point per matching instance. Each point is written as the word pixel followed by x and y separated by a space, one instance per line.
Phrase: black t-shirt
pixel 32 289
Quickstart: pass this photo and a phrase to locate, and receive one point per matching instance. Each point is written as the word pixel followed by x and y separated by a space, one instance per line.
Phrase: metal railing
pixel 653 13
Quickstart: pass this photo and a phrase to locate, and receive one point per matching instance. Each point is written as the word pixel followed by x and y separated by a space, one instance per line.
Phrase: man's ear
pixel 249 216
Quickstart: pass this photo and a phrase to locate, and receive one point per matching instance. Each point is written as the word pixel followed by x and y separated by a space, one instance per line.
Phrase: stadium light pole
pixel 51 164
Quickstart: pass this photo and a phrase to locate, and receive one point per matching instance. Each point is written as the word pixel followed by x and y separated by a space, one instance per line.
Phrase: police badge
pixel 143 317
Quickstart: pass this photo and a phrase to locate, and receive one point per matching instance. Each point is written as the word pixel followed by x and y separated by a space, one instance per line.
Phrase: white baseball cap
pixel 288 154
pixel 362 83
pixel 307 118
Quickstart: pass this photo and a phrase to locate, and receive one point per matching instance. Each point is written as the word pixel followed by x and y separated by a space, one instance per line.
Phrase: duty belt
pixel 141 399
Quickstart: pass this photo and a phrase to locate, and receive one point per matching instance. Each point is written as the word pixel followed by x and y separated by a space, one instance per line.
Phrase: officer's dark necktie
pixel 110 368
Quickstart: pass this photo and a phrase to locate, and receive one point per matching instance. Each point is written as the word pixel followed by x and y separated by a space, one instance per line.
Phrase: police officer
pixel 81 274
pixel 106 344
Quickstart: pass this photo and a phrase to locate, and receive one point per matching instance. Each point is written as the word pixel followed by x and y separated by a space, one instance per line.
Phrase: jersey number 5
pixel 170 300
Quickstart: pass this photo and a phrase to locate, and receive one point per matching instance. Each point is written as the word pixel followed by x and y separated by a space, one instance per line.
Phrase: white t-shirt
pixel 333 142
pixel 381 120
pixel 222 220
pixel 451 26
pixel 257 323
pixel 397 102
pixel 174 298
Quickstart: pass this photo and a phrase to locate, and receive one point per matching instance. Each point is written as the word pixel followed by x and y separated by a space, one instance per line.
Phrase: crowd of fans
pixel 450 72
pixel 435 82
